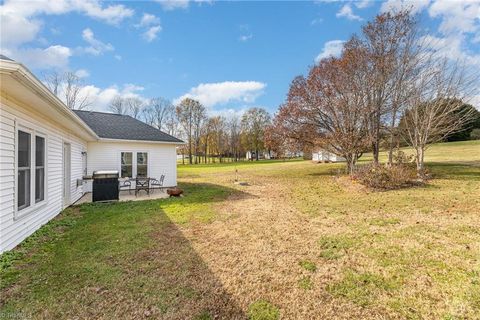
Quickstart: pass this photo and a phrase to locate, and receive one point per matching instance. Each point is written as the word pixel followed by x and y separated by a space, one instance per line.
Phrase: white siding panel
pixel 14 230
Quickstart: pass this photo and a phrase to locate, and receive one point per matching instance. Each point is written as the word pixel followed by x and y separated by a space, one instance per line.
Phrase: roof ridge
pixel 103 126
pixel 103 112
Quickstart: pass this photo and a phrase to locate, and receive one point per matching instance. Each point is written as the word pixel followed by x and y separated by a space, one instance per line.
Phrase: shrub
pixel 386 177
pixel 475 134
pixel 400 157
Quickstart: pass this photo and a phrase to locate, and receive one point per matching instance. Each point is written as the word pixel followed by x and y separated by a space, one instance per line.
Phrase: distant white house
pixel 321 155
pixel 46 150
pixel 250 155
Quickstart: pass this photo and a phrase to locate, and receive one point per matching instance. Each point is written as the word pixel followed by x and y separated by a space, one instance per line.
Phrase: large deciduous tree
pixel 158 112
pixel 254 123
pixel 191 114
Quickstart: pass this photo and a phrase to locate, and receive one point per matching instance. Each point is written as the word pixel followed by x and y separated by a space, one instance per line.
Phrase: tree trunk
pixel 392 138
pixel 190 150
pixel 419 161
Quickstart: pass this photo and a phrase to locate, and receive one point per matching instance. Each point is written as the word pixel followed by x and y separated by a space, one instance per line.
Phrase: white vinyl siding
pixel 161 158
pixel 15 229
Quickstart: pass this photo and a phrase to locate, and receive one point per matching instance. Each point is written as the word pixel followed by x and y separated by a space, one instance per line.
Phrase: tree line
pixel 207 138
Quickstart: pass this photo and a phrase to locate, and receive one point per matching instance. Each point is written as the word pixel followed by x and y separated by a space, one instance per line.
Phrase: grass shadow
pixel 120 260
pixel 467 170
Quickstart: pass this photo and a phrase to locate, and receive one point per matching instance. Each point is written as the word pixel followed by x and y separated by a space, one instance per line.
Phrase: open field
pixel 296 243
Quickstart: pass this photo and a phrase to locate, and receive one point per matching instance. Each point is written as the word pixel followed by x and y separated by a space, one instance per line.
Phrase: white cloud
pixel 112 14
pixel 15 29
pixel 453 47
pixel 347 12
pixel 230 113
pixel 475 101
pixel 173 4
pixel 169 5
pixel 82 73
pixel 363 3
pixel 461 16
pixel 96 47
pixel 152 25
pixel 397 5
pixel 151 33
pixel 245 37
pixel 210 94
pixel 330 49
pixel 148 20
pixel 52 57
pixel 118 57
pixel 20 23
pixel 101 97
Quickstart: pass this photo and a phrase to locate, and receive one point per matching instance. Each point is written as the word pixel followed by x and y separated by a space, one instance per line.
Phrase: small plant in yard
pixel 380 177
pixel 305 283
pixel 263 310
pixel 205 315
pixel 333 247
pixel 308 265
pixel 382 222
pixel 361 287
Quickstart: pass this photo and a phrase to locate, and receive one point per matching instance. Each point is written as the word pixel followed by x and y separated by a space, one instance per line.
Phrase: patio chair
pixel 157 183
pixel 142 183
pixel 124 185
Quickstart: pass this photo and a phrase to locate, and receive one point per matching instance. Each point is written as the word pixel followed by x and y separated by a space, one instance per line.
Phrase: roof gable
pixel 123 127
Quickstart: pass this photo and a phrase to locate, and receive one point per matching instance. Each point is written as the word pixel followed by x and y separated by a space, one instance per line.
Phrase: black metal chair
pixel 125 185
pixel 157 183
pixel 142 183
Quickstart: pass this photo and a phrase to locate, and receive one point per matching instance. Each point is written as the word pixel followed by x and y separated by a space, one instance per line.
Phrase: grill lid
pixel 102 174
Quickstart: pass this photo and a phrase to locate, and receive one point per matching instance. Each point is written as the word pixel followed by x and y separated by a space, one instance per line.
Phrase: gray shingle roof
pixel 117 126
pixel 2 57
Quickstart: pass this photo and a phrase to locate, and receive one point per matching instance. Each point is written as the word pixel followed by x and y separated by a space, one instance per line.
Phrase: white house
pixel 129 146
pixel 46 150
pixel 250 155
pixel 321 155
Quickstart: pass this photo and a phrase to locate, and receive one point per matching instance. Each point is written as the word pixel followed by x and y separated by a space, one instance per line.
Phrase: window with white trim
pixel 39 169
pixel 24 174
pixel 142 164
pixel 31 167
pixel 126 165
pixel 133 164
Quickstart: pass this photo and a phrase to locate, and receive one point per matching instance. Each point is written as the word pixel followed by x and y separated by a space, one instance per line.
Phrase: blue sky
pixel 229 55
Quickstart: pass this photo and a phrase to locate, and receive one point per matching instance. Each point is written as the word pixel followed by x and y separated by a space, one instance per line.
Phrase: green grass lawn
pixel 298 242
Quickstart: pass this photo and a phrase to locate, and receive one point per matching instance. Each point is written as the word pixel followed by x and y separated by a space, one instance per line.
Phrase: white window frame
pixel 33 131
pixel 134 162
pixel 41 135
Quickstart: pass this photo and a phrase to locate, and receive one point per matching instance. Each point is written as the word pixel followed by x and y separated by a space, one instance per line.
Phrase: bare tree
pixel 118 105
pixel 53 81
pixel 157 112
pixel 435 107
pixel 70 89
pixel 234 141
pixel 190 115
pixel 135 106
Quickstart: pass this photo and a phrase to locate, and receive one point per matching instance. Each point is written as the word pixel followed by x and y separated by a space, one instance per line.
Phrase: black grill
pixel 105 186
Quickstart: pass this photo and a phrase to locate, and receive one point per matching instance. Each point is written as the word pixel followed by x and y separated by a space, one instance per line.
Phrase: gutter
pixel 141 141
pixel 24 76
